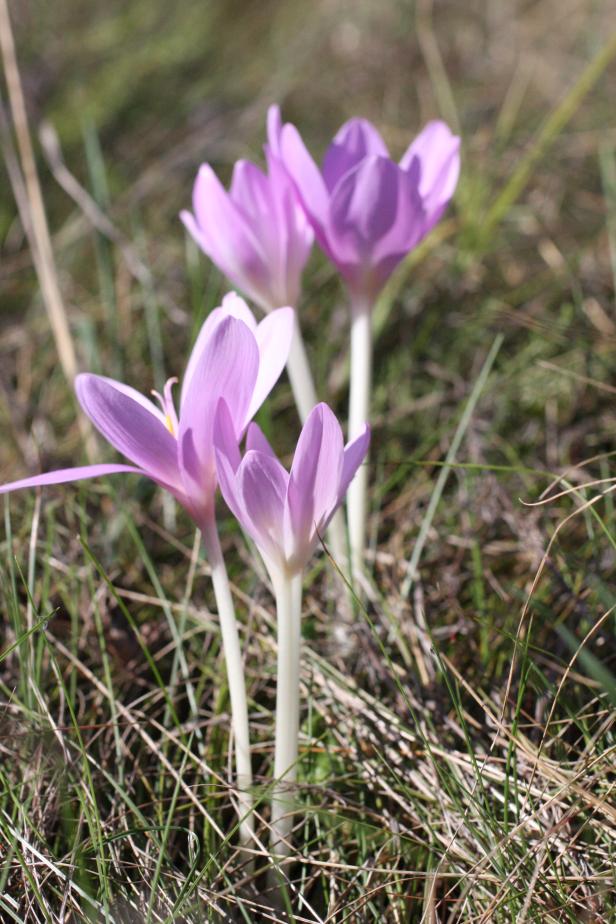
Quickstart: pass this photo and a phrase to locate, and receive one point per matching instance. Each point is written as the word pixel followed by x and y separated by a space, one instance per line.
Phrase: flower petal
pixel 255 194
pixel 411 224
pixel 255 490
pixel 274 130
pixel 363 211
pixel 225 437
pixel 223 232
pixel 294 237
pixel 136 396
pixel 229 487
pixel 249 190
pixel 315 477
pixel 263 487
pixel 232 306
pixel 131 428
pixel 355 140
pixel 256 439
pixel 354 454
pixel 64 475
pixel 227 368
pixel 365 202
pixel 228 460
pixel 273 335
pixel 437 150
pixel 307 178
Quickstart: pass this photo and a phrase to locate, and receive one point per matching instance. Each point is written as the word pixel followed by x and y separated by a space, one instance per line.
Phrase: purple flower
pixel 257 233
pixel 285 514
pixel 368 212
pixel 233 358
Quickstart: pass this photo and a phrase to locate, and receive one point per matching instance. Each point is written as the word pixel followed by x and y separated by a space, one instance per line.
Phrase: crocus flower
pixel 367 211
pixel 233 357
pixel 287 513
pixel 257 233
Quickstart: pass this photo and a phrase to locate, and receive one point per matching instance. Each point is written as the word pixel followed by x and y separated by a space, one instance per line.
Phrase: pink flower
pixel 233 358
pixel 367 211
pixel 286 513
pixel 256 234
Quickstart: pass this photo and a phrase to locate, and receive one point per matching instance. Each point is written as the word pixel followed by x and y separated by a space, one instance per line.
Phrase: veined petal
pixel 250 191
pixel 263 487
pixel 294 234
pixel 306 176
pixel 228 460
pixel 364 204
pixel 354 454
pixel 315 476
pixel 227 368
pixel 229 487
pixel 411 224
pixel 225 437
pixel 255 194
pixel 238 490
pixel 357 139
pixel 224 233
pixel 64 475
pixel 216 214
pixel 136 396
pixel 131 428
pixel 273 336
pixel 256 439
pixel 232 306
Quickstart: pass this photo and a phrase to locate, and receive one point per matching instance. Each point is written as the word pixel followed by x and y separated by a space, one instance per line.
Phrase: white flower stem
pixel 235 678
pixel 300 375
pixel 359 415
pixel 305 394
pixel 288 592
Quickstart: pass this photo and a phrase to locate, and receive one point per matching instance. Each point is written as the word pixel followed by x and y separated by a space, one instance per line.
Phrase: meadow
pixel 457 741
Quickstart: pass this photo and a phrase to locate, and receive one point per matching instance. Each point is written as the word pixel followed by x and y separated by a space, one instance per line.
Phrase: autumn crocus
pixel 233 358
pixel 286 514
pixel 257 234
pixel 368 212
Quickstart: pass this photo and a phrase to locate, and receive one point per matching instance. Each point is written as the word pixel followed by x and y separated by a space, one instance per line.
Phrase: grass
pixel 457 749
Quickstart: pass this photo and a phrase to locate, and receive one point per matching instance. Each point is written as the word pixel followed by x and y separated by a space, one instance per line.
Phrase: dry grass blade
pixel 30 201
pixel 90 208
